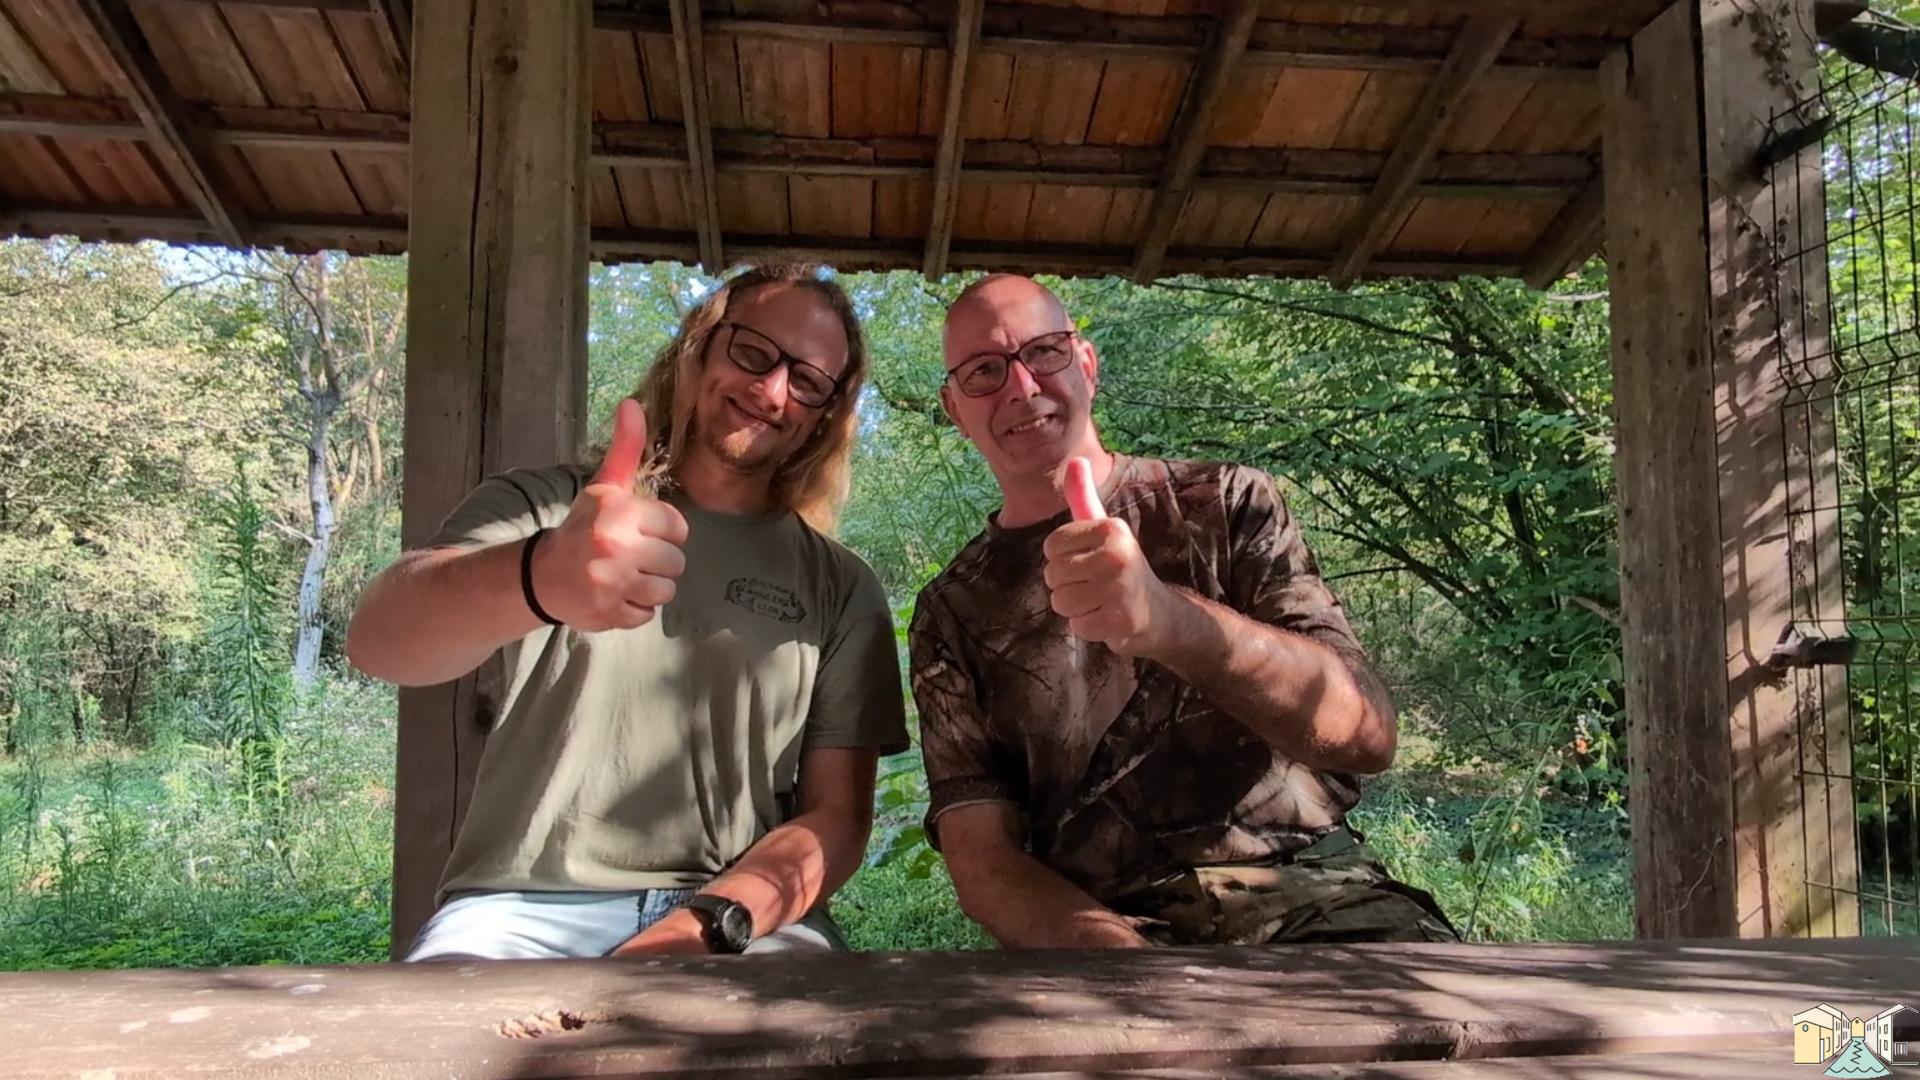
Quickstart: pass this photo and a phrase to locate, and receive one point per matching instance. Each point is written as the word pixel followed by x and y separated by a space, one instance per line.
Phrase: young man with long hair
pixel 698 680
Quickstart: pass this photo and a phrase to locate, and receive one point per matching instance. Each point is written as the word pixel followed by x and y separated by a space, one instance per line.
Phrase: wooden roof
pixel 1427 137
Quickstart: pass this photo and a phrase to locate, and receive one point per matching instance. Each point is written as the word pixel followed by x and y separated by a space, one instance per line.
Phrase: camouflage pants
pixel 1335 891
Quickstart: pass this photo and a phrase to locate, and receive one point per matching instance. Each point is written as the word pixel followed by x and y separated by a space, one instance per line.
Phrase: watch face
pixel 736 926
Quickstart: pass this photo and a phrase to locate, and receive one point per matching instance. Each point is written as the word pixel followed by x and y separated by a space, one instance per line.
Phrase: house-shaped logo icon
pixel 1818 1034
pixel 1857 1047
pixel 1894 1035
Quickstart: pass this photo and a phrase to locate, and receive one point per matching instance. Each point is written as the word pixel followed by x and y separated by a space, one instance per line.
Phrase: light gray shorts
pixel 557 925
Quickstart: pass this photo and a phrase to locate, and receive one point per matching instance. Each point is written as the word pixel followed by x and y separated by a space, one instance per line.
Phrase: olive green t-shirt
pixel 655 757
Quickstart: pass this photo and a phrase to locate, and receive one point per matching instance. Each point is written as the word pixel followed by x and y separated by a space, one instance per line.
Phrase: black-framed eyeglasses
pixel 756 354
pixel 985 373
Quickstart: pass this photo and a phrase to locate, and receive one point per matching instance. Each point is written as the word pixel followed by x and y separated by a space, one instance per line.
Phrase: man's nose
pixel 773 387
pixel 1021 384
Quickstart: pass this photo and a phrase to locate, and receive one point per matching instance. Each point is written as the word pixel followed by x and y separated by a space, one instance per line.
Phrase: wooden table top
pixel 1709 1009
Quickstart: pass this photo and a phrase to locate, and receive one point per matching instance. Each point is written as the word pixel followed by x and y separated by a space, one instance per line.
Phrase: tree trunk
pixel 306 656
pixel 322 400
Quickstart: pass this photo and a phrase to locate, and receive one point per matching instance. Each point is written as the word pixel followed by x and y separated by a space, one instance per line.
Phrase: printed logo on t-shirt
pixel 766 598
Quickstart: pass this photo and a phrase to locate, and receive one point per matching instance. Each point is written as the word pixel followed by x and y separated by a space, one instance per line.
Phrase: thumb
pixel 628 450
pixel 1082 498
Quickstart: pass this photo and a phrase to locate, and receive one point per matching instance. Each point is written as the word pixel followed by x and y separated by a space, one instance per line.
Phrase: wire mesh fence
pixel 1849 347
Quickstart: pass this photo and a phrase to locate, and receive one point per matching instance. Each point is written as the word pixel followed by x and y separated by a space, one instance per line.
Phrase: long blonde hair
pixel 814 482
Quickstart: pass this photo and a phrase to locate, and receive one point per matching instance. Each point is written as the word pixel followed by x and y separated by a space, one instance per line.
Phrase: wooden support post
pixel 173 140
pixel 1212 74
pixel 689 58
pixel 1571 239
pixel 496 356
pixel 946 168
pixel 1706 582
pixel 1420 139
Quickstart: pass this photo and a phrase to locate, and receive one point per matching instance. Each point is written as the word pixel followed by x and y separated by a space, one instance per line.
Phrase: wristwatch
pixel 726 924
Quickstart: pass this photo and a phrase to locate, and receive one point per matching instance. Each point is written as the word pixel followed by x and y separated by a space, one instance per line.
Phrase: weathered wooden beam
pixel 172 141
pixel 964 35
pixel 1420 139
pixel 1213 73
pixel 689 58
pixel 1043 30
pixel 1304 1011
pixel 496 346
pixel 1734 831
pixel 298 234
pixel 1347 173
pixel 1572 238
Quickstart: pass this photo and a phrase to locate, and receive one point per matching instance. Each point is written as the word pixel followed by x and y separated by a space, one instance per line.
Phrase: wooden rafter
pixel 1571 239
pixel 1419 141
pixel 1346 173
pixel 162 114
pixel 948 158
pixel 690 63
pixel 1212 75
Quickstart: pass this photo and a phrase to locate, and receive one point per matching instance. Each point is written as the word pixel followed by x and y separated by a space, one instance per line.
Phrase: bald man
pixel 1143 712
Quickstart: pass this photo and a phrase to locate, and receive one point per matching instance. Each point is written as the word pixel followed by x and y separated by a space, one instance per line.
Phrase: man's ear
pixel 946 406
pixel 1089 363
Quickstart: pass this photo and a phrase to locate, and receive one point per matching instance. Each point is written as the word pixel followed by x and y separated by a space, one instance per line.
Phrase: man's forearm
pixel 436 615
pixel 1292 691
pixel 793 868
pixel 1026 905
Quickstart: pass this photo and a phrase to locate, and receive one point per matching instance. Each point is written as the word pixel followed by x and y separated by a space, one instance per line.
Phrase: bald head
pixel 1001 301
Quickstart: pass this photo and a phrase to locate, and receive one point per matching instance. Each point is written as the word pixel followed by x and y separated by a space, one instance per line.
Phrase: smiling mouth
pixel 1030 426
pixel 752 416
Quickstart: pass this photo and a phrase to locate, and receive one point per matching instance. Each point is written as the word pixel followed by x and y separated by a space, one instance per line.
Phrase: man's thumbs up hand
pixel 1097 575
pixel 617 558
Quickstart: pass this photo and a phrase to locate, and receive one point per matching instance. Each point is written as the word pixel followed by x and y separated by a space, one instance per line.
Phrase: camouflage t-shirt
pixel 1124 773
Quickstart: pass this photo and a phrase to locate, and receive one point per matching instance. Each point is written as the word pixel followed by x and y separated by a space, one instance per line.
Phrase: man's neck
pixel 1035 499
pixel 711 485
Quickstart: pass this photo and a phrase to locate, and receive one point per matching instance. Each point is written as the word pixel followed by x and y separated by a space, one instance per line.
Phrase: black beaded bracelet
pixel 526 579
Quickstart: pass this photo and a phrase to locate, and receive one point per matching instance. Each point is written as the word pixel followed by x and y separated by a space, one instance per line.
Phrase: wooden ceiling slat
pixel 56 33
pixel 756 204
pixel 293 56
pixel 372 59
pixel 1211 80
pixel 901 208
pixel 831 206
pixel 201 59
pixel 983 110
pixel 619 86
pixel 1137 103
pixel 379 180
pixel 1421 138
pixel 303 182
pixel 1063 214
pixel 21 67
pixel 1378 111
pixel 393 21
pixel 35 172
pixel 603 202
pixel 992 212
pixel 662 77
pixel 1573 237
